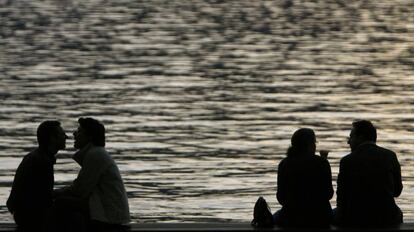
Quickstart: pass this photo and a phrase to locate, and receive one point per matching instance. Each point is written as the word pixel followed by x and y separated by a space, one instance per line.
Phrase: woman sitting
pixel 304 184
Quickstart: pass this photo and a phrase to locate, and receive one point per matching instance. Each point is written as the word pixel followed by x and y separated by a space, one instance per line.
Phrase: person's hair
pixel 365 129
pixel 300 142
pixel 94 129
pixel 45 130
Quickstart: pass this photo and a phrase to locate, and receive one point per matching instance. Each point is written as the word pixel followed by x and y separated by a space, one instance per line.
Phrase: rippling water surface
pixel 200 98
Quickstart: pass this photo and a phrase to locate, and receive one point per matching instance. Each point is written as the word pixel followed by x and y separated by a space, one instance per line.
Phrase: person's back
pixel 369 179
pixel 304 185
pixel 304 190
pixel 370 176
pixel 31 194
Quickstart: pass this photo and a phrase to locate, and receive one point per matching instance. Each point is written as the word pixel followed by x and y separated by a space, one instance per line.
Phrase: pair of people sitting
pixel 368 181
pixel 95 200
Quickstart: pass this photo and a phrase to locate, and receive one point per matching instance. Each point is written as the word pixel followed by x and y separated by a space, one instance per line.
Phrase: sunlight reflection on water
pixel 200 98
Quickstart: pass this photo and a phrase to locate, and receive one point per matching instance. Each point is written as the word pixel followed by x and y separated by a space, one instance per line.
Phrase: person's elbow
pixel 10 206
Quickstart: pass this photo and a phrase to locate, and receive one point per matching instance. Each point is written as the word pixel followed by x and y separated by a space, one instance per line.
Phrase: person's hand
pixel 324 153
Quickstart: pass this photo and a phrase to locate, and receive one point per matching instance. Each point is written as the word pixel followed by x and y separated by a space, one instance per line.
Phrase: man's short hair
pixel 45 130
pixel 94 129
pixel 365 129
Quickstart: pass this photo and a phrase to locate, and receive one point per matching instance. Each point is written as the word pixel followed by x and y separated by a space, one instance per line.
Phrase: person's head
pixel 89 131
pixel 362 131
pixel 51 136
pixel 303 142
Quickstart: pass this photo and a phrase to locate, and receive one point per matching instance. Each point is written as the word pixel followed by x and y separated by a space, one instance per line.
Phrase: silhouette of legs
pixel 68 214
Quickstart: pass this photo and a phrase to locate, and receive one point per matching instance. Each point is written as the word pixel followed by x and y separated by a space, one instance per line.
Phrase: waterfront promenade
pixel 224 227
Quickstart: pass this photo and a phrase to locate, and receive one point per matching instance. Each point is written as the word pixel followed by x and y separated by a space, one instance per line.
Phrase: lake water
pixel 200 98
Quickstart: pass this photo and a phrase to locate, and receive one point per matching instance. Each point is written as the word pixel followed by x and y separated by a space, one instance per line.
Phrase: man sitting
pixel 368 181
pixel 31 194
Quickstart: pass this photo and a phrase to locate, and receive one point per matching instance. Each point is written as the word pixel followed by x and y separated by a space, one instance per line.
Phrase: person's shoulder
pixel 98 150
pixel 31 157
pixel 29 162
pixel 385 150
pixel 283 162
pixel 347 158
pixel 320 159
pixel 99 154
pixel 387 154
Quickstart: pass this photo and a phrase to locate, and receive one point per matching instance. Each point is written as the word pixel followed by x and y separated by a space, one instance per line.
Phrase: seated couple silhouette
pixel 368 181
pixel 95 201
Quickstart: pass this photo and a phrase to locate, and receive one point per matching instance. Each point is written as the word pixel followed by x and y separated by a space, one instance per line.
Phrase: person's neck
pixel 84 147
pixel 49 151
pixel 80 153
pixel 366 142
pixel 363 144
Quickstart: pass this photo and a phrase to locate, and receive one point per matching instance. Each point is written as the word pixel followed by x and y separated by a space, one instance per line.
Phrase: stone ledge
pixel 225 227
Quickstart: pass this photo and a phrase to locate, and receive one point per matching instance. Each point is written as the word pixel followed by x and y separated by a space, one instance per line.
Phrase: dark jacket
pixel 304 188
pixel 369 179
pixel 31 193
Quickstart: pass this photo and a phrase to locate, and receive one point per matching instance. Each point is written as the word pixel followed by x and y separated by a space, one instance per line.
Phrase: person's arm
pixel 328 179
pixel 32 186
pixel 21 186
pixel 281 184
pixel 16 191
pixel 42 189
pixel 396 173
pixel 341 188
pixel 341 185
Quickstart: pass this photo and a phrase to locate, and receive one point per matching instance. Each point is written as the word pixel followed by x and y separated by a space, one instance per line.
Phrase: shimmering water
pixel 200 98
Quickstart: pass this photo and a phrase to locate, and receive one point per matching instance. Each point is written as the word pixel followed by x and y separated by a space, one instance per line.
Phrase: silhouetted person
pixel 97 197
pixel 31 195
pixel 304 184
pixel 369 178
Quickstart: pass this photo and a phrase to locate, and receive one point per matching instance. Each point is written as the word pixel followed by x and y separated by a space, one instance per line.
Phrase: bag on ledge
pixel 262 217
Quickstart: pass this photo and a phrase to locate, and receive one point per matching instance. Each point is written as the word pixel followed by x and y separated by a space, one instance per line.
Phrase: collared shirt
pixel 99 181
